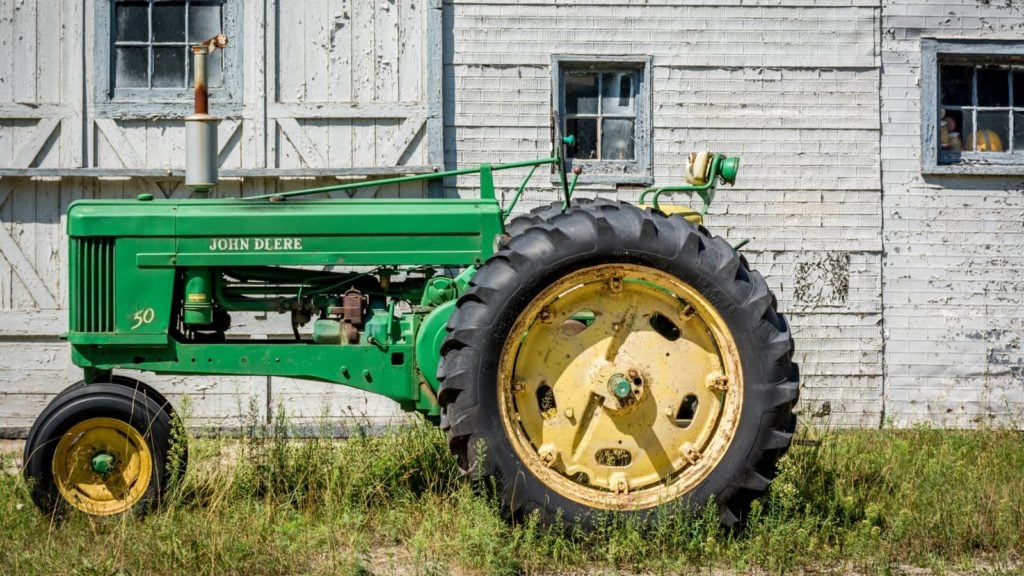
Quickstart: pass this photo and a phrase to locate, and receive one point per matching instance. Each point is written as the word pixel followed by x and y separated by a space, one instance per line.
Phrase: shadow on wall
pixel 449 96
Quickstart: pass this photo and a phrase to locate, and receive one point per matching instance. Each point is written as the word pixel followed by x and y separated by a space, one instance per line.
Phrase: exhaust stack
pixel 200 126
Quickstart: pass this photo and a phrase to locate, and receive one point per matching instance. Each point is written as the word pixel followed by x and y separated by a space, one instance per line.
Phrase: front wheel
pixel 611 359
pixel 101 449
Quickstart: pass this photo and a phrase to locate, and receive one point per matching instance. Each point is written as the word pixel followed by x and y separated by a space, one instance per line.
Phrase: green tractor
pixel 588 357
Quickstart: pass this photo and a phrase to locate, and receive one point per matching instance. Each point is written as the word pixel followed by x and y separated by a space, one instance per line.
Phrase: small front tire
pixel 101 449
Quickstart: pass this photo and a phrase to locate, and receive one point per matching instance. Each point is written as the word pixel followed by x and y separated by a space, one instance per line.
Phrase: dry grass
pixel 863 502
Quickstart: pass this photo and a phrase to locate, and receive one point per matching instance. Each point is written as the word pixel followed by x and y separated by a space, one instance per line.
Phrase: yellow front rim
pixel 102 494
pixel 620 387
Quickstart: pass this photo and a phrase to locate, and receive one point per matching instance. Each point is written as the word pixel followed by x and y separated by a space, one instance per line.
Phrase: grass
pixel 845 502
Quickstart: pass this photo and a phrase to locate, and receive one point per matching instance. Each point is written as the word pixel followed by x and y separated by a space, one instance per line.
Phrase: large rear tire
pixel 613 359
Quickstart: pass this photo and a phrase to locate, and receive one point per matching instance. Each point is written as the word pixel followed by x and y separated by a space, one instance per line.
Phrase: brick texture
pixel 790 87
pixel 953 289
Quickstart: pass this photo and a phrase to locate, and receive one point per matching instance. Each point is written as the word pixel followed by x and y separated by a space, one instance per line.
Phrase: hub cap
pixel 620 387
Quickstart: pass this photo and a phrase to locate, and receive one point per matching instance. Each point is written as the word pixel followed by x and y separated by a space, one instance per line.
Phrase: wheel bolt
pixel 618 483
pixel 619 386
pixel 690 453
pixel 518 385
pixel 546 316
pixel 615 285
pixel 718 383
pixel 569 413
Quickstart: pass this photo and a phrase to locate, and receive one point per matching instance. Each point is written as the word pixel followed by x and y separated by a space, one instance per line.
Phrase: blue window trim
pixel 639 171
pixel 977 50
pixel 135 103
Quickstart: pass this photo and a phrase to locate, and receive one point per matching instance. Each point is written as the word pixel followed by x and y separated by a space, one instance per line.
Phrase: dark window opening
pixel 981 109
pixel 151 43
pixel 601 112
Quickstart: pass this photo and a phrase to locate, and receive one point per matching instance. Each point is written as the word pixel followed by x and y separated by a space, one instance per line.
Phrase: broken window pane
pixel 617 93
pixel 581 93
pixel 132 68
pixel 585 130
pixel 132 22
pixel 617 139
pixel 993 132
pixel 169 67
pixel 168 22
pixel 203 22
pixel 956 85
pixel 993 86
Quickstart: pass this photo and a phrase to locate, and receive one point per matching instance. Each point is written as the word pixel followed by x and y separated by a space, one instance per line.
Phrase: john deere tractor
pixel 590 356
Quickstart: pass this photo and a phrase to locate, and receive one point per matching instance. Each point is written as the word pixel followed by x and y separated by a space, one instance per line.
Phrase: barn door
pixel 357 86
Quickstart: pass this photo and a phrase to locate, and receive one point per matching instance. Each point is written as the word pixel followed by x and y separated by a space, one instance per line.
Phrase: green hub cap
pixel 103 463
pixel 619 386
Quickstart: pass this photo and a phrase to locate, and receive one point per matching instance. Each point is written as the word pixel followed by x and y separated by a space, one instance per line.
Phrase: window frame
pixel 640 170
pixel 126 102
pixel 973 52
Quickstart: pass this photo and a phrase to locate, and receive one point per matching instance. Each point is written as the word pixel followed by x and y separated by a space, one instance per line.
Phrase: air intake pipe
pixel 200 126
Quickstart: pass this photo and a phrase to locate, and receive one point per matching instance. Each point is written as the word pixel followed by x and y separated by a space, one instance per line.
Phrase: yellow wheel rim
pixel 620 387
pixel 116 443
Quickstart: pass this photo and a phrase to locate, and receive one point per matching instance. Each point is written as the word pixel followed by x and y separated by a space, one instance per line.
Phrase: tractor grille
pixel 92 285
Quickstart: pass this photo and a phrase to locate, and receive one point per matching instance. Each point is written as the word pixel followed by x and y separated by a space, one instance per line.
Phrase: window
pixel 605 104
pixel 145 47
pixel 972 107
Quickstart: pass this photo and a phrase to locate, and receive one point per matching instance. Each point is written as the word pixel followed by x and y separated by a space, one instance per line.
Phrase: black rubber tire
pixel 542 214
pixel 141 387
pixel 603 233
pixel 81 402
pixel 179 437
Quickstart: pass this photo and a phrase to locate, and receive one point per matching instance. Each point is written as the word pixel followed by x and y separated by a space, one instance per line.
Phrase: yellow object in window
pixel 985 141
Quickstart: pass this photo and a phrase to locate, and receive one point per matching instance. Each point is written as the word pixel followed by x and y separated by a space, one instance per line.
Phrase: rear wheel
pixel 101 449
pixel 611 359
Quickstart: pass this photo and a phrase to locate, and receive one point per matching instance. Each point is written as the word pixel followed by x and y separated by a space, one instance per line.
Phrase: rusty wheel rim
pixel 620 387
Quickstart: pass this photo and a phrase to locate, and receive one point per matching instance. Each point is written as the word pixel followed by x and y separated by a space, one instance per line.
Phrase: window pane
pixel 214 69
pixel 617 139
pixel 132 68
pixel 585 130
pixel 169 67
pixel 203 22
pixel 617 92
pixel 950 135
pixel 132 22
pixel 1018 88
pixel 580 93
pixel 993 132
pixel 168 22
pixel 966 133
pixel 956 85
pixel 1018 132
pixel 993 86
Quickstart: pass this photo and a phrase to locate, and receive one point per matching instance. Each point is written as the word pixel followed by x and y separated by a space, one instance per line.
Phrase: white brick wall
pixel 953 290
pixel 789 86
pixel 904 291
